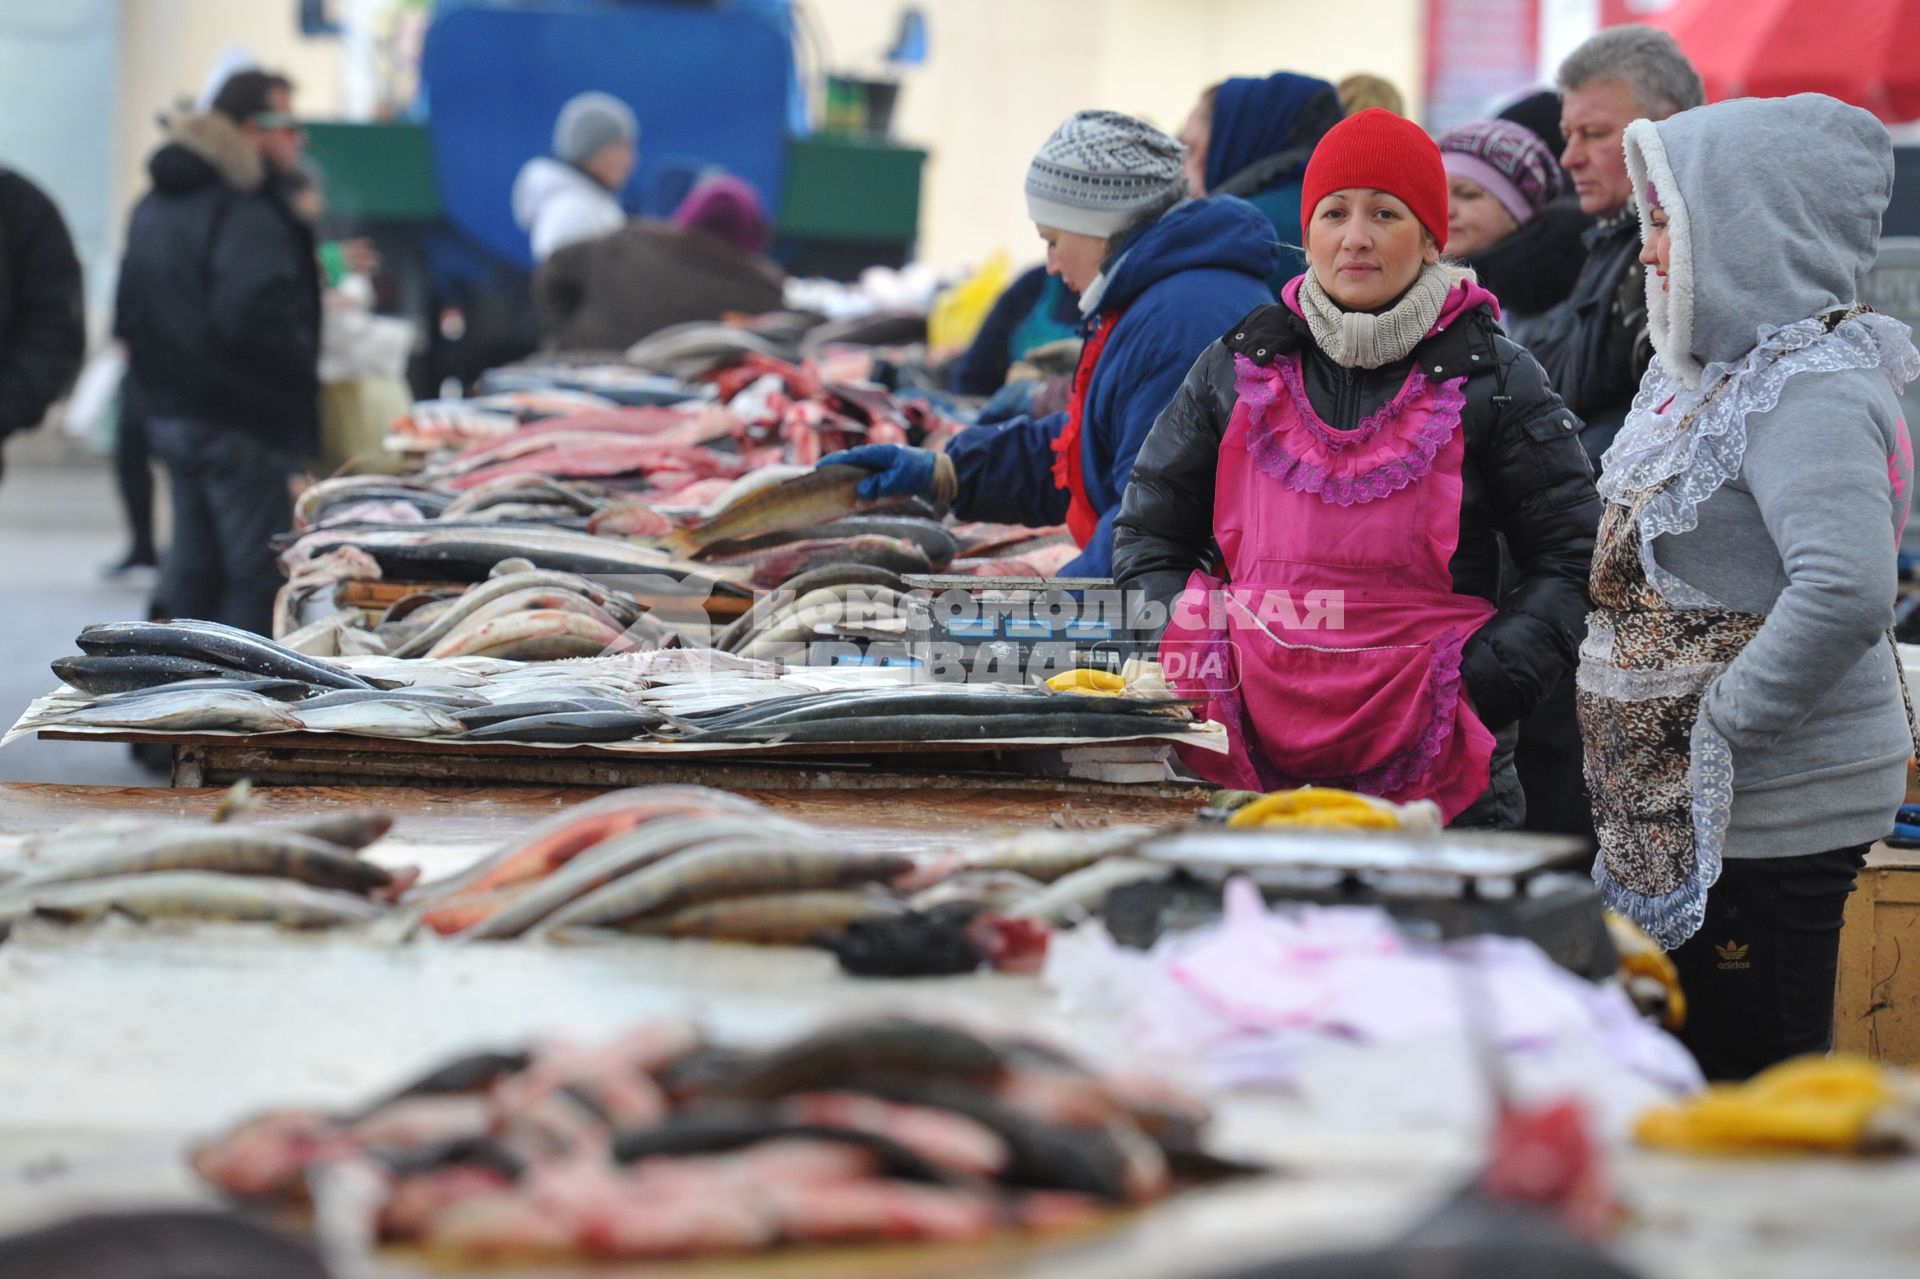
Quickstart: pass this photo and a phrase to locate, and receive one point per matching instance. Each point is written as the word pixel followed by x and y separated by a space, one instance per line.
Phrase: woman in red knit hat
pixel 1321 509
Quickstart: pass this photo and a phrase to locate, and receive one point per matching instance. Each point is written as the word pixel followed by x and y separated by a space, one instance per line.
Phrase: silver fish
pixel 225 850
pixel 405 719
pixel 194 894
pixel 181 710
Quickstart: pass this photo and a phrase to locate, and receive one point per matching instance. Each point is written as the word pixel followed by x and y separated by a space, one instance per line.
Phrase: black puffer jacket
pixel 43 331
pixel 1534 269
pixel 1524 479
pixel 1594 345
pixel 219 297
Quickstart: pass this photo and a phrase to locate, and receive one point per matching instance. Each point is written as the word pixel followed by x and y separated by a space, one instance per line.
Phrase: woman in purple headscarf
pixel 1252 138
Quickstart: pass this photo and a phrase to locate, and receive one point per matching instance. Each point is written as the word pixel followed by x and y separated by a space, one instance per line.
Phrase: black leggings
pixel 1759 975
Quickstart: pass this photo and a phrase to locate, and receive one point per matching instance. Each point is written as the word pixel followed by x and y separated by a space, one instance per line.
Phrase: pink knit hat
pixel 1512 164
pixel 729 208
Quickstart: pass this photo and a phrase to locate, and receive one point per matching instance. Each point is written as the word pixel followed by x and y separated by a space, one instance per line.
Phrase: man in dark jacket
pixel 1594 345
pixel 219 305
pixel 43 332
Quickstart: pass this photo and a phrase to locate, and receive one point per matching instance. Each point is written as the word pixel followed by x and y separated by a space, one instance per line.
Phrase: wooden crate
pixel 1877 1006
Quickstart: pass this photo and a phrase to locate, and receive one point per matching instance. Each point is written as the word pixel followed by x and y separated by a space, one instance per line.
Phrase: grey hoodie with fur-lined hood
pixel 1789 492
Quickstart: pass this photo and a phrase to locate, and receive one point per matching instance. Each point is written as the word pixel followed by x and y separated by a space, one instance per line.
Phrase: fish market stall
pixel 235 704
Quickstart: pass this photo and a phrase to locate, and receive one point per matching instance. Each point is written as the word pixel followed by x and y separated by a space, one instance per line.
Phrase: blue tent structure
pixel 711 84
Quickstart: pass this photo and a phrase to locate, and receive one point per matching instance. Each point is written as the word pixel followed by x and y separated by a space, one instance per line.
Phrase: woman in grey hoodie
pixel 1740 699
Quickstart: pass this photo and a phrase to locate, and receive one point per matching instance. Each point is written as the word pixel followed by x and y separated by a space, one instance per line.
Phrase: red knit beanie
pixel 1380 151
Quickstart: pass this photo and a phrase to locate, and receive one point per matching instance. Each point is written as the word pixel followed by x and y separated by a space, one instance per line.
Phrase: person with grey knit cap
pixel 574 194
pixel 1743 705
pixel 1159 275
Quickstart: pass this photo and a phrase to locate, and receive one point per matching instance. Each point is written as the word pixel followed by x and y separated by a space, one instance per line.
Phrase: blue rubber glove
pixel 897 471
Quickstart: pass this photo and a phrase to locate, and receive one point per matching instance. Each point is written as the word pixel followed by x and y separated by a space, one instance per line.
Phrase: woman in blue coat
pixel 1159 277
pixel 1252 138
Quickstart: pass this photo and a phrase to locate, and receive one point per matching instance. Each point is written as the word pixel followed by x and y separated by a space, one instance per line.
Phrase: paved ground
pixel 59 525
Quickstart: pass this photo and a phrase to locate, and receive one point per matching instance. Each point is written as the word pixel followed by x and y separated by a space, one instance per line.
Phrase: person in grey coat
pixel 1743 708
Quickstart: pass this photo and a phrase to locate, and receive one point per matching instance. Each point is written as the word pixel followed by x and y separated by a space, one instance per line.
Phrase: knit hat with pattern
pixel 1507 159
pixel 1379 151
pixel 1102 172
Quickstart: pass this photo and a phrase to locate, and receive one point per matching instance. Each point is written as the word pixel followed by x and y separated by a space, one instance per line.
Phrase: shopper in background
pixel 1366 92
pixel 1506 220
pixel 1158 276
pixel 1253 138
pixel 133 480
pixel 1594 345
pixel 1538 112
pixel 609 292
pixel 1323 504
pixel 1035 310
pixel 43 331
pixel 1743 705
pixel 574 194
pixel 219 307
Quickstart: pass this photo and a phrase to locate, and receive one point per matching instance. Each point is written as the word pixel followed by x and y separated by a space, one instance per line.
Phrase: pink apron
pixel 1332 651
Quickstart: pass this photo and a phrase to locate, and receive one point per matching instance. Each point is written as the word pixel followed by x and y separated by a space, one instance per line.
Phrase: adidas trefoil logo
pixel 1733 956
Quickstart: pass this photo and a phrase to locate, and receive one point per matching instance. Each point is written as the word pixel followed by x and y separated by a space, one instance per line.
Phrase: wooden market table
pixel 465 816
pixel 325 759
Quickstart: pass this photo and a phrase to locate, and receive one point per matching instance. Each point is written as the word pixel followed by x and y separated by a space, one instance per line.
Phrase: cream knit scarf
pixel 1365 339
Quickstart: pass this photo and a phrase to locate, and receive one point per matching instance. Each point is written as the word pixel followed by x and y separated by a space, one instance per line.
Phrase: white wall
pixel 167 48
pixel 58 69
pixel 1001 74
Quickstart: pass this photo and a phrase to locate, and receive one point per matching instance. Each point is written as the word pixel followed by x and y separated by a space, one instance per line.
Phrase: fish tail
pixel 681 543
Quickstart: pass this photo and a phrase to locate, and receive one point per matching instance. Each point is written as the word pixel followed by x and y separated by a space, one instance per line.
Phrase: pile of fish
pixel 201 677
pixel 673 861
pixel 432 426
pixel 309 874
pixel 519 614
pixel 686 861
pixel 659 1144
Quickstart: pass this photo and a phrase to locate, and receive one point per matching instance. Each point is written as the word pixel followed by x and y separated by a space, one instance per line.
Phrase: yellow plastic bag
pixel 1806 1104
pixel 959 312
pixel 354 420
pixel 1316 808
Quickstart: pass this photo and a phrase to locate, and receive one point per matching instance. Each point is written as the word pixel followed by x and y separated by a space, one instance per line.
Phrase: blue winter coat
pixel 1181 282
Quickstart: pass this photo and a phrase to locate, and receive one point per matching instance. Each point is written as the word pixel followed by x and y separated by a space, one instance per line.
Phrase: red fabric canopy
pixel 1866 52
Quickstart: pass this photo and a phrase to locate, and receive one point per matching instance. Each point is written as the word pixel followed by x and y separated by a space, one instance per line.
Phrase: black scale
pixel 1436 886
